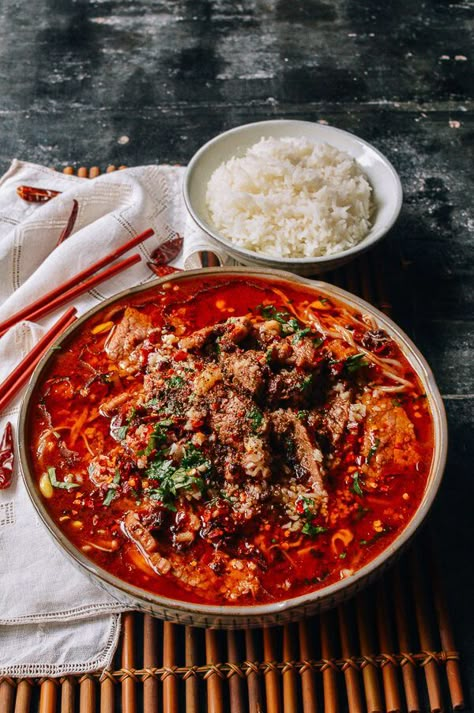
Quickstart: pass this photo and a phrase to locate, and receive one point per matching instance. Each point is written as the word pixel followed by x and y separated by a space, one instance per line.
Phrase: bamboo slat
pixel 253 680
pixel 107 696
pixel 373 696
pixel 236 696
pixel 281 669
pixel 389 670
pixel 427 641
pixel 215 701
pixel 367 285
pixel 352 278
pixel 378 273
pixel 308 682
pixel 128 683
pixel 23 696
pixel 67 694
pixel 170 683
pixel 290 692
pixel 86 695
pixel 150 655
pixel 7 696
pixel 404 644
pixel 331 701
pixel 191 658
pixel 453 672
pixel 351 673
pixel 48 696
pixel 272 675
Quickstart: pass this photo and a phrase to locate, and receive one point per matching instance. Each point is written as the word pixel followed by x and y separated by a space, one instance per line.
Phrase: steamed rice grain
pixel 291 198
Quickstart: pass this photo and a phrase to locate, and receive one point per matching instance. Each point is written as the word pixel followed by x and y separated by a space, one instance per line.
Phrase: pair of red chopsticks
pixel 77 285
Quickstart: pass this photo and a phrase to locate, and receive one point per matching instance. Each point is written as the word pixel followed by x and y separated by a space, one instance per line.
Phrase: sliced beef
pixel 289 388
pixel 280 353
pixel 117 403
pixel 231 577
pixel 294 351
pixel 295 441
pixel 305 354
pixel 336 416
pixel 131 331
pixel 266 332
pixel 389 437
pixel 145 542
pixel 244 371
pixel 229 333
pixel 198 340
pixel 230 422
pixel 236 330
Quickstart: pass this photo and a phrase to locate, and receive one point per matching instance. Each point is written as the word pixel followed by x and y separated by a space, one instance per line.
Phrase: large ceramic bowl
pixel 387 190
pixel 262 614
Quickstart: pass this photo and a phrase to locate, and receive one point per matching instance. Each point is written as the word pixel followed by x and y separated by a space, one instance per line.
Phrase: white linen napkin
pixel 53 619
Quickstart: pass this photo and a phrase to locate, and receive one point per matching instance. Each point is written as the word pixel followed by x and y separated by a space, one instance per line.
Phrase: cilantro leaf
pixel 173 479
pixel 256 417
pixel 356 484
pixel 158 435
pixel 373 450
pixel 313 530
pixel 306 383
pixel 193 458
pixel 300 334
pixel 306 506
pixel 289 324
pixel 355 362
pixel 175 382
pixel 110 495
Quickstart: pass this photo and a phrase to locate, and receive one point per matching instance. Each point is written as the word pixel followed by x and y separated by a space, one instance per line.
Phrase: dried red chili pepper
pixel 70 224
pixel 162 270
pixel 167 251
pixel 7 455
pixel 36 195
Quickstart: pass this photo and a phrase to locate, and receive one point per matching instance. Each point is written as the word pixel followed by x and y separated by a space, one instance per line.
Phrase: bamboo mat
pixel 389 649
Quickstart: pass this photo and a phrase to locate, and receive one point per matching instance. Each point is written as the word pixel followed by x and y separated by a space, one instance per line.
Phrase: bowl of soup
pixel 233 447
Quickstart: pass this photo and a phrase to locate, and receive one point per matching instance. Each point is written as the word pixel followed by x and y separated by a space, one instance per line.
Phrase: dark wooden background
pixel 110 82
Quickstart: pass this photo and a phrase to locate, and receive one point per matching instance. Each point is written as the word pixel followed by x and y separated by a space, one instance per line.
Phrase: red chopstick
pixel 26 312
pixel 21 373
pixel 82 287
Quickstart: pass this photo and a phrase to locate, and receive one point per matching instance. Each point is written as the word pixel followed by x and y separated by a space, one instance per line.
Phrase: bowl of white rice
pixel 294 195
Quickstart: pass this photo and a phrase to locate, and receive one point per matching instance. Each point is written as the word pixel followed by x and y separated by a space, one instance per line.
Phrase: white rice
pixel 291 198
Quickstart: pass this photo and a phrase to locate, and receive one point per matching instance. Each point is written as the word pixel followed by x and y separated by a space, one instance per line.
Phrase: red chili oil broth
pixel 373 521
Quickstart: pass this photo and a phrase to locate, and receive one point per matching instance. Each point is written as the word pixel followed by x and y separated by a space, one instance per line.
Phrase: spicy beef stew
pixel 231 441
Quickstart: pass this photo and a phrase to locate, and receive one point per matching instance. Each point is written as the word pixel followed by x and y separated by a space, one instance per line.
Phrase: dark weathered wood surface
pixel 150 81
